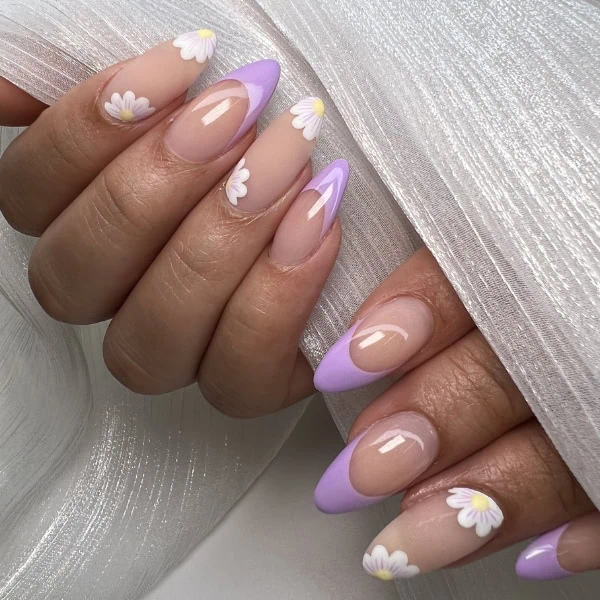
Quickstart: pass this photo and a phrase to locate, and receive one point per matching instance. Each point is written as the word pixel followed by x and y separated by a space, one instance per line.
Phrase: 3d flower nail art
pixel 150 82
pixel 309 117
pixel 128 108
pixel 433 535
pixel 386 566
pixel 477 510
pixel 235 188
pixel 199 44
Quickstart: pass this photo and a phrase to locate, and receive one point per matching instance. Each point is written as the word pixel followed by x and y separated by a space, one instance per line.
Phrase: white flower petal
pixel 467 517
pixel 243 175
pixel 140 104
pixel 368 564
pixel 483 529
pixel 380 552
pixel 112 110
pixel 116 100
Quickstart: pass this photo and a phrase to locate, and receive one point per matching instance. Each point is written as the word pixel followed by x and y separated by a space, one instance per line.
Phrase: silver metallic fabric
pixel 472 125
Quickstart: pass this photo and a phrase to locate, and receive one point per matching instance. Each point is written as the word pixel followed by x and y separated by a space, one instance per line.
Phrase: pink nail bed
pixel 382 461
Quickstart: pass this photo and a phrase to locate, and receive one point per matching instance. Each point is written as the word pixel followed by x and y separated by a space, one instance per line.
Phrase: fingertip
pixel 17 107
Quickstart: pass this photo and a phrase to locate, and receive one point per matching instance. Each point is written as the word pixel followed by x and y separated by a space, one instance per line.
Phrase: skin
pixel 252 323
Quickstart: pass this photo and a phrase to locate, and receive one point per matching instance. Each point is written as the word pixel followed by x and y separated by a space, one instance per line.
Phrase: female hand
pixel 455 434
pixel 128 189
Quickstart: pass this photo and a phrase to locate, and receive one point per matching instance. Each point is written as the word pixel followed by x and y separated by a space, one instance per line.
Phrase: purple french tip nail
pixel 330 183
pixel 539 560
pixel 338 373
pixel 335 493
pixel 260 79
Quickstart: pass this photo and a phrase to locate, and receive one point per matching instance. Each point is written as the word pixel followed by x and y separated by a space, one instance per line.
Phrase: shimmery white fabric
pixel 477 120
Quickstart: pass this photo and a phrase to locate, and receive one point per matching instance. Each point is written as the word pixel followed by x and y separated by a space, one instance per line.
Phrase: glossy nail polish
pixel 276 158
pixel 222 114
pixel 565 551
pixel 152 81
pixel 378 463
pixel 433 533
pixel 310 216
pixel 376 345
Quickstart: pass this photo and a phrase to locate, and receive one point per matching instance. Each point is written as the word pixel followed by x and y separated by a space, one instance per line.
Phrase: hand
pixel 455 433
pixel 128 189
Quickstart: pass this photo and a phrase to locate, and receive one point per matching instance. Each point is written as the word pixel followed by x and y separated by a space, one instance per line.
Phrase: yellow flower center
pixel 204 33
pixel 126 115
pixel 384 575
pixel 318 107
pixel 480 502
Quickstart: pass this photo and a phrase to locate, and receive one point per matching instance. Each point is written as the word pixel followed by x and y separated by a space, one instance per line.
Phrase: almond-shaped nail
pixel 565 551
pixel 152 81
pixel 215 120
pixel 311 215
pixel 381 462
pixel 276 158
pixel 433 533
pixel 375 346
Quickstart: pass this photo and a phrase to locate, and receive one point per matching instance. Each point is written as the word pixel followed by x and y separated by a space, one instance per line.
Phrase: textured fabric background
pixel 478 120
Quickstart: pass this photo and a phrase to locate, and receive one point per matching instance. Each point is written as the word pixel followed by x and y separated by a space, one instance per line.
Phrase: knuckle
pixel 126 364
pixel 51 293
pixel 227 401
pixel 118 206
pixel 560 487
pixel 481 382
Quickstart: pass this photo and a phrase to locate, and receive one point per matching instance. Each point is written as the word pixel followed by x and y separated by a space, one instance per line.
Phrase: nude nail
pixel 310 216
pixel 153 80
pixel 376 345
pixel 276 158
pixel 378 463
pixel 222 114
pixel 565 551
pixel 433 533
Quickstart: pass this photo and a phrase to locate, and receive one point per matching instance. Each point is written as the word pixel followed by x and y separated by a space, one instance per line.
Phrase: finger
pixel 157 340
pixel 89 259
pixel 17 108
pixel 47 166
pixel 440 413
pixel 413 315
pixel 569 549
pixel 257 337
pixel 515 488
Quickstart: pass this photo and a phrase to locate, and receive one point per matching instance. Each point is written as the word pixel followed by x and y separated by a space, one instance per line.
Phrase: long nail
pixel 222 114
pixel 570 549
pixel 433 533
pixel 378 463
pixel 276 157
pixel 153 80
pixel 311 215
pixel 376 345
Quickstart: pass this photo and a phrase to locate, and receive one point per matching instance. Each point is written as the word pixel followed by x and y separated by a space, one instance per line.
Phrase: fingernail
pixel 565 551
pixel 433 533
pixel 311 215
pixel 276 158
pixel 376 345
pixel 222 114
pixel 153 80
pixel 378 463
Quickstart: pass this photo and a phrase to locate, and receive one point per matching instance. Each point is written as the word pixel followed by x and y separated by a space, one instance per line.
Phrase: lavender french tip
pixel 337 372
pixel 331 183
pixel 539 561
pixel 335 493
pixel 260 80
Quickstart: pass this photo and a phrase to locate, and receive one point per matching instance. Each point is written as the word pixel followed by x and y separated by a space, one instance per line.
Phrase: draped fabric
pixel 470 125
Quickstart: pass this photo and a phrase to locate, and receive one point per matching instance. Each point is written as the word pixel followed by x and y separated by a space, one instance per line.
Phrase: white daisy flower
pixel 128 108
pixel 386 566
pixel 477 510
pixel 199 44
pixel 235 188
pixel 310 112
